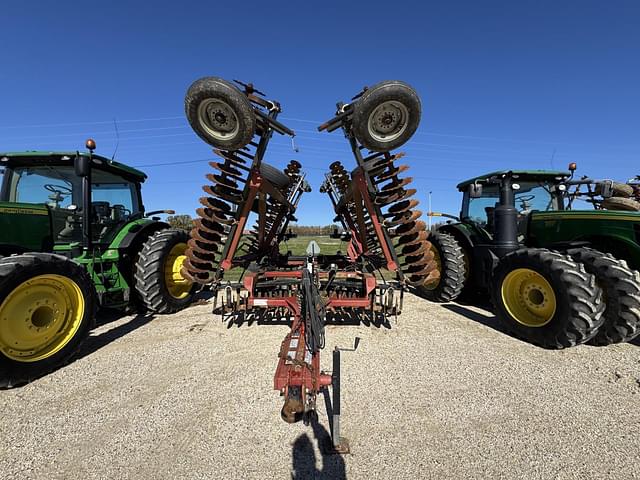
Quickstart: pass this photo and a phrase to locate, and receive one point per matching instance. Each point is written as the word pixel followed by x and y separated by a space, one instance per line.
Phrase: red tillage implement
pixel 378 217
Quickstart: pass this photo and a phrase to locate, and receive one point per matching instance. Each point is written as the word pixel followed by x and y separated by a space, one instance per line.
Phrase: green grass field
pixel 328 245
pixel 298 246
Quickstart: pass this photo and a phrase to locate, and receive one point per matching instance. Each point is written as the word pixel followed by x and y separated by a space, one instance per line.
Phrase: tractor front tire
pixel 450 259
pixel 546 298
pixel 47 308
pixel 621 287
pixel 158 281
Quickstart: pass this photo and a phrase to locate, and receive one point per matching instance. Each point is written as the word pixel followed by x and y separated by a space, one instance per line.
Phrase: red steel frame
pixel 297 367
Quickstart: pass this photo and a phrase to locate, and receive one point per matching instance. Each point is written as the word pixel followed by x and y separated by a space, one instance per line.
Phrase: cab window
pixel 478 207
pixel 111 193
pixel 529 197
pixel 53 186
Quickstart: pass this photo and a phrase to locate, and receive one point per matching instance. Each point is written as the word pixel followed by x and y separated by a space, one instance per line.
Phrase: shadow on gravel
pixel 268 317
pixel 304 457
pixel 488 319
pixel 96 342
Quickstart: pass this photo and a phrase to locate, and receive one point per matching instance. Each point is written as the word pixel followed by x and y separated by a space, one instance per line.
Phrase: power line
pixel 315 132
pixel 106 133
pixel 101 122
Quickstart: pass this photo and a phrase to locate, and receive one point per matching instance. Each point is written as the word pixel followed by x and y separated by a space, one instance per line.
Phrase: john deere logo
pixel 22 211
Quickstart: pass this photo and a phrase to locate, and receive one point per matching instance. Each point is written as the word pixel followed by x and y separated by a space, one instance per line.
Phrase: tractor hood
pixel 616 232
pixel 24 227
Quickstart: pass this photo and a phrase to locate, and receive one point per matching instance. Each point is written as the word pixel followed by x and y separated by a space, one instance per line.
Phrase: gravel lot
pixel 441 394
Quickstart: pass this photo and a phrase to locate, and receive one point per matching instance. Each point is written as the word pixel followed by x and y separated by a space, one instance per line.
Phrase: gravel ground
pixel 440 394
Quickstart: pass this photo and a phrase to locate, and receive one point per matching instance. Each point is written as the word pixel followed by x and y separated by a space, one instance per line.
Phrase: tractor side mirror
pixel 82 165
pixel 475 190
pixel 606 189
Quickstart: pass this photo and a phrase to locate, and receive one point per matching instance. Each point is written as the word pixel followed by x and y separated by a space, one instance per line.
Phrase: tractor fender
pixel 462 233
pixel 479 257
pixel 134 234
pixel 620 247
pixel 129 242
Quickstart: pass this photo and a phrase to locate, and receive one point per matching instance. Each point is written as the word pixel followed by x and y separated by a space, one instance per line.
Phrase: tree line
pixel 185 222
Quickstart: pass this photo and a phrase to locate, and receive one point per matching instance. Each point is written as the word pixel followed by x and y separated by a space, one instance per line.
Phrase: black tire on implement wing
pixel 621 287
pixel 160 286
pixel 622 204
pixel 275 176
pixel 69 323
pixel 577 303
pixel 619 190
pixel 220 113
pixel 450 259
pixel 386 115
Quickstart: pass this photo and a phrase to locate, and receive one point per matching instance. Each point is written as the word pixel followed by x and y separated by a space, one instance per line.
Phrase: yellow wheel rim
pixel 39 317
pixel 177 286
pixel 528 297
pixel 433 284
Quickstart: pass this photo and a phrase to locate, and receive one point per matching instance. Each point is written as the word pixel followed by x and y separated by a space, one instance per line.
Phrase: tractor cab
pixel 534 190
pixel 47 184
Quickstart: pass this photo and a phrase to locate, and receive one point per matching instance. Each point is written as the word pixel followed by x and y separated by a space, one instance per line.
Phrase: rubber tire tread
pixel 579 300
pixel 619 190
pixel 621 204
pixel 16 269
pixel 274 175
pixel 149 272
pixel 374 96
pixel 621 286
pixel 452 271
pixel 214 87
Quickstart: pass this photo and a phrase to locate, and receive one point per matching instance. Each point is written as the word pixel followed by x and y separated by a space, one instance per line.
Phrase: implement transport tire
pixel 158 281
pixel 450 259
pixel 47 308
pixel 386 116
pixel 619 190
pixel 274 176
pixel 546 298
pixel 219 113
pixel 621 288
pixel 620 203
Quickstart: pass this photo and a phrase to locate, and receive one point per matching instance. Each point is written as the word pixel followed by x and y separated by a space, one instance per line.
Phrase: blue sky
pixel 504 84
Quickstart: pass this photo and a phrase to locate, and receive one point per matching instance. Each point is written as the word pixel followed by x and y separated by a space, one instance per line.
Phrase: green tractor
pixel 74 237
pixel 557 276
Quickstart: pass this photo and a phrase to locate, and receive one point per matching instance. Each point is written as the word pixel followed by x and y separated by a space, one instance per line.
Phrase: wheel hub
pixel 39 317
pixel 218 119
pixel 388 121
pixel 177 285
pixel 528 297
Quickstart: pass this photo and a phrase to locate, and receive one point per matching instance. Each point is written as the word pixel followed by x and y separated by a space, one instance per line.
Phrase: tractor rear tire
pixel 47 308
pixel 621 287
pixel 158 281
pixel 386 116
pixel 620 203
pixel 220 113
pixel 450 259
pixel 546 298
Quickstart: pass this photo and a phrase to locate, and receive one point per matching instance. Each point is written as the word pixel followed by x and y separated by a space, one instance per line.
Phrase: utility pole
pixel 429 210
